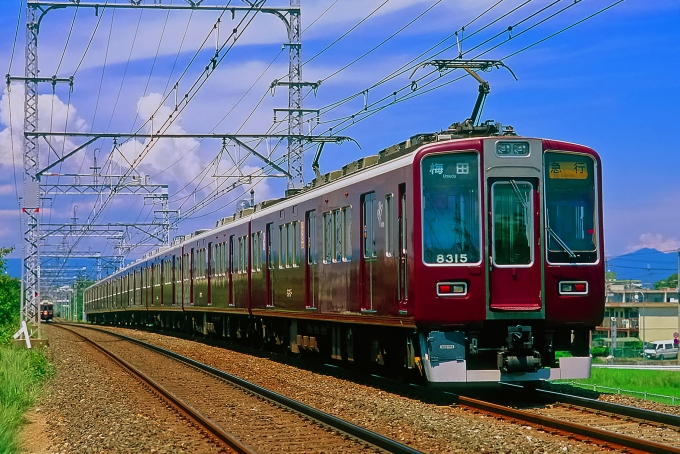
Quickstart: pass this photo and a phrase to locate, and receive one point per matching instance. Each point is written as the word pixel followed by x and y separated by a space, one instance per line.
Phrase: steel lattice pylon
pixel 295 148
pixel 30 204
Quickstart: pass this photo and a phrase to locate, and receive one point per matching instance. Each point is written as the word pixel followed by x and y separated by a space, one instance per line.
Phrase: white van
pixel 665 349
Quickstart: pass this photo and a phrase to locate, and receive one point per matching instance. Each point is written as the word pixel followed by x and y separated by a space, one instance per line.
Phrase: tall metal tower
pixel 294 97
pixel 30 203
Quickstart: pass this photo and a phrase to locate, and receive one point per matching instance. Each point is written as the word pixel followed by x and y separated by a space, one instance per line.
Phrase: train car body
pixel 46 312
pixel 471 259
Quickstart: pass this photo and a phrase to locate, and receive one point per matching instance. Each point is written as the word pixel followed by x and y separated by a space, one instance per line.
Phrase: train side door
pixel 311 273
pixel 368 250
pixel 515 278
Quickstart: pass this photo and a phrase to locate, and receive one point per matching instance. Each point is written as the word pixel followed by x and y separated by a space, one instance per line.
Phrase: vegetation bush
pixel 22 371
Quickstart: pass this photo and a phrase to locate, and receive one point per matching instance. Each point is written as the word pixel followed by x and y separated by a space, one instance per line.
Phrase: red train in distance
pixel 464 258
pixel 46 312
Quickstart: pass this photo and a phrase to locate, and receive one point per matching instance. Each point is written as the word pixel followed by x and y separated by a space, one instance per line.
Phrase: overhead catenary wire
pixel 197 85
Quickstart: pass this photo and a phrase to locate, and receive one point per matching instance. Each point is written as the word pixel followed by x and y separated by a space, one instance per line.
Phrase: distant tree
pixel 670 282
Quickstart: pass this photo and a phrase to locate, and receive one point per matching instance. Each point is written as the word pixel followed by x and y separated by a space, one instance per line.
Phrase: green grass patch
pixel 22 373
pixel 661 382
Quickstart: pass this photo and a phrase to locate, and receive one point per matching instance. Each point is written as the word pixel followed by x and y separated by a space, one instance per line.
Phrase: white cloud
pixel 655 241
pixel 165 152
pixel 53 115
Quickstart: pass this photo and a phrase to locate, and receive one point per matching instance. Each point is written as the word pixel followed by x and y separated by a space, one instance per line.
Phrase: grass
pixel 661 382
pixel 22 372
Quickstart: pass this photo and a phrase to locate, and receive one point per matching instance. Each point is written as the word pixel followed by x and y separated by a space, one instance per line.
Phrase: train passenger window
pixel 571 210
pixel 242 249
pixel 291 244
pixel 347 218
pixel 283 242
pixel 270 256
pixel 451 208
pixel 513 226
pixel 256 246
pixel 231 254
pixel 327 237
pixel 295 232
pixel 338 226
pixel 389 235
pixel 311 237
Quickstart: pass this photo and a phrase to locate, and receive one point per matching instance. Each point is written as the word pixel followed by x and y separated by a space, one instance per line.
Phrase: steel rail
pixel 175 401
pixel 360 433
pixel 617 409
pixel 578 429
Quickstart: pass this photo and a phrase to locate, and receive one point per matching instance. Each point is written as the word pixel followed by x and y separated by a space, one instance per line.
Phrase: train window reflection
pixel 451 209
pixel 571 232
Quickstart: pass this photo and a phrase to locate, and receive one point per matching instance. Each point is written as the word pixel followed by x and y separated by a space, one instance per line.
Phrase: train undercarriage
pixel 491 352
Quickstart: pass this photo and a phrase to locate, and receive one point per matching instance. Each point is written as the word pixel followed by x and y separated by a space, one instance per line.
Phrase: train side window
pixel 270 255
pixel 231 254
pixel 338 226
pixel 291 244
pixel 389 235
pixel 283 243
pixel 347 220
pixel 311 237
pixel 295 233
pixel 327 237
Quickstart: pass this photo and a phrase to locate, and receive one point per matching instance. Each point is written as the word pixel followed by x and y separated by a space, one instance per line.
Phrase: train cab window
pixel 571 219
pixel 451 209
pixel 513 224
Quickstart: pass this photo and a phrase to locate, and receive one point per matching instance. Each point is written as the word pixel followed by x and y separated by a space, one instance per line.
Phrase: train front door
pixel 368 250
pixel 311 273
pixel 515 277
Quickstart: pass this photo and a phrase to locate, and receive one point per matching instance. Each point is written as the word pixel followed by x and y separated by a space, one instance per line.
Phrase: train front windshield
pixel 451 209
pixel 571 219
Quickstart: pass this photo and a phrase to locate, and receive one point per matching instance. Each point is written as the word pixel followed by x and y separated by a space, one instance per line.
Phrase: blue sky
pixel 610 82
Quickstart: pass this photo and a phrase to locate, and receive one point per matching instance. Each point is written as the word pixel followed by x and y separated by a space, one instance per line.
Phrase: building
pixel 645 314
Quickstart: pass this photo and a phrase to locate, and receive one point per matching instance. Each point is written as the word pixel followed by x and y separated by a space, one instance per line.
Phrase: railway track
pixel 596 423
pixel 244 417
pixel 608 429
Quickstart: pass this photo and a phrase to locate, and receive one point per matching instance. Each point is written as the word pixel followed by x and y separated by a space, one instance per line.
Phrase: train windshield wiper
pixel 560 242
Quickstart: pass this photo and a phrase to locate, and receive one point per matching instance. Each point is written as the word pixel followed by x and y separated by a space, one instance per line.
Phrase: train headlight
pixel 452 288
pixel 513 148
pixel 520 148
pixel 573 288
pixel 503 148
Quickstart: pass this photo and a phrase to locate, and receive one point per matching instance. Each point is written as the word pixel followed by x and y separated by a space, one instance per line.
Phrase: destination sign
pixel 568 171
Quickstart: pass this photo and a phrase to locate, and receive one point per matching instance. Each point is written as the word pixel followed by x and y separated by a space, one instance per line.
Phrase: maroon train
pixel 464 259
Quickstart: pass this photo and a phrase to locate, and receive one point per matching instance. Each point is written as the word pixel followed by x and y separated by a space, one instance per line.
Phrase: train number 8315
pixel 452 258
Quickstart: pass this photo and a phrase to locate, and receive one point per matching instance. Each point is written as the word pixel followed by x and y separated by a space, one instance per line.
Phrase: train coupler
pixel 519 354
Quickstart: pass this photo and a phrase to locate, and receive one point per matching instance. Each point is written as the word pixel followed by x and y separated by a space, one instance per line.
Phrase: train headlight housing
pixel 452 288
pixel 513 148
pixel 573 288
